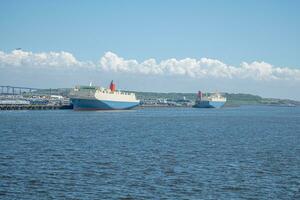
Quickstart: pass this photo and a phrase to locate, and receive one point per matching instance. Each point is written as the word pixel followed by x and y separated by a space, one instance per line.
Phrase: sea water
pixel 250 152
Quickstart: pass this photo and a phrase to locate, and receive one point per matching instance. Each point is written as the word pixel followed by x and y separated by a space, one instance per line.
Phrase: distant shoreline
pixel 172 99
pixel 233 99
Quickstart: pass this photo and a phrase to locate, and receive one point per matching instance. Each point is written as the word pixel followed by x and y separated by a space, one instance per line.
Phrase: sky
pixel 164 46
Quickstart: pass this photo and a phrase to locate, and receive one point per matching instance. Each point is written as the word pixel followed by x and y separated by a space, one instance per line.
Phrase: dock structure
pixel 30 107
pixel 27 98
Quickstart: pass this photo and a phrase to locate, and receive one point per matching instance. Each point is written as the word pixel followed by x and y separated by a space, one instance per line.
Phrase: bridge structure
pixel 15 90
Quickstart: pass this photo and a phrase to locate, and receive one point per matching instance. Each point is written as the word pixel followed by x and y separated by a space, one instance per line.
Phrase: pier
pixel 30 107
pixel 27 98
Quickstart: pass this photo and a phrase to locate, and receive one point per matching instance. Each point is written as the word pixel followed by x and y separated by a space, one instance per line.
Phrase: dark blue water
pixel 184 153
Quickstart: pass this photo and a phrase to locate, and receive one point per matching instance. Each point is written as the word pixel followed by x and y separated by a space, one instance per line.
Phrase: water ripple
pixel 233 153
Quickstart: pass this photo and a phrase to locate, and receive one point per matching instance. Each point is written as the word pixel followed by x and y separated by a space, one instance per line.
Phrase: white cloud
pixel 204 67
pixel 110 62
pixel 19 58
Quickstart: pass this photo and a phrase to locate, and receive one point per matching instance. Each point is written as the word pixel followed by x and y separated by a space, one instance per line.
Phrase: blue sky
pixel 232 32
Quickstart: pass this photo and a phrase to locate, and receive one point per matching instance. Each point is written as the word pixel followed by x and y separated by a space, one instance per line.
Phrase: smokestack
pixel 199 95
pixel 112 86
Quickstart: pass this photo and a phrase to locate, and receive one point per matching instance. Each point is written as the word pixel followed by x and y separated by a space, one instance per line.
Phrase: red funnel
pixel 200 95
pixel 112 86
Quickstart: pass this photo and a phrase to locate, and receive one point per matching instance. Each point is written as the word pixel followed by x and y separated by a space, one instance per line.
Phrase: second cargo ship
pixel 213 101
pixel 98 98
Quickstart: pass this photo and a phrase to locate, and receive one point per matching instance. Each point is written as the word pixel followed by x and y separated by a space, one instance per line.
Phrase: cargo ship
pixel 98 98
pixel 209 101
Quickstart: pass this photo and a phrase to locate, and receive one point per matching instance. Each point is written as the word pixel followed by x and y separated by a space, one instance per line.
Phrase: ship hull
pixel 94 104
pixel 209 104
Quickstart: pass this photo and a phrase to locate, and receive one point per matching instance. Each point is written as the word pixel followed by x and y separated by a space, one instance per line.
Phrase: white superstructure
pixel 100 93
pixel 217 97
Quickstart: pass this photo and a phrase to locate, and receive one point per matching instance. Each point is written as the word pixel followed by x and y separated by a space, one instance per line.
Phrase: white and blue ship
pixel 212 101
pixel 98 98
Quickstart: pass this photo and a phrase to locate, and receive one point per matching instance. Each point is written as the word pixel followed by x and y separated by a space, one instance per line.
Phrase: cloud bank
pixel 111 62
pixel 194 68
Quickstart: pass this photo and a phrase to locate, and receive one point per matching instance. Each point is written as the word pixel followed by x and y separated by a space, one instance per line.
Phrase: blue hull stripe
pixel 209 104
pixel 87 104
